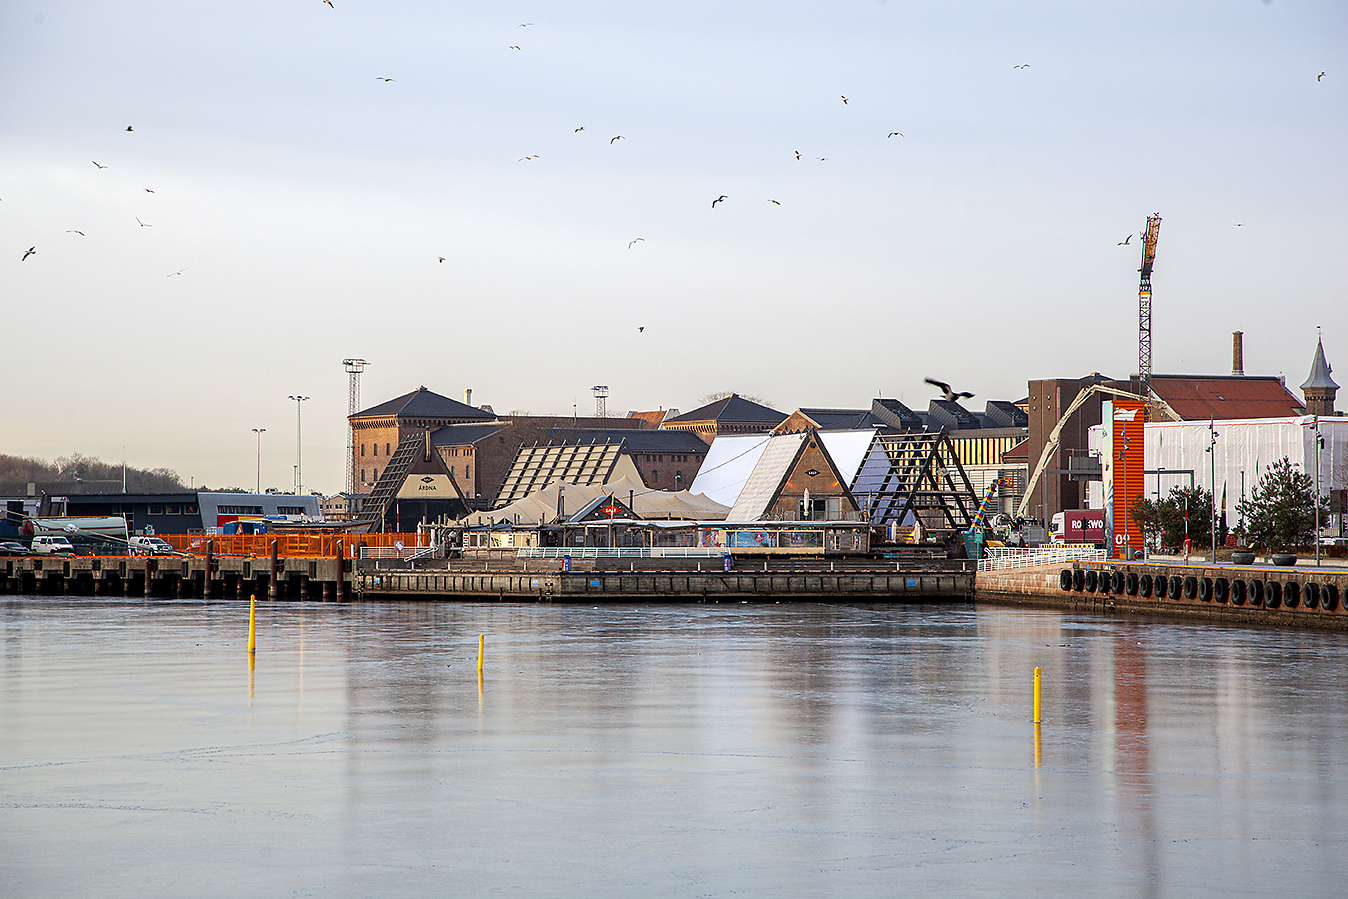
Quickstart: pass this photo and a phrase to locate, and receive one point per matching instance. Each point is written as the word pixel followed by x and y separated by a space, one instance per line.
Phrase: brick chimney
pixel 1238 353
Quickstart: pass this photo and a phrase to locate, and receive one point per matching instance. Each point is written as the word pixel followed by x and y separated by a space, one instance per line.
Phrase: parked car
pixel 148 546
pixel 13 549
pixel 52 546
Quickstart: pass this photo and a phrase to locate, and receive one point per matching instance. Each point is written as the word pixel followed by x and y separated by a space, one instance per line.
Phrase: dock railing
pixel 619 552
pixel 998 558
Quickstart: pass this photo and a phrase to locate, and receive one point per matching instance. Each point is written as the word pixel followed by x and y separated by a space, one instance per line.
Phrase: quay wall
pixel 1291 596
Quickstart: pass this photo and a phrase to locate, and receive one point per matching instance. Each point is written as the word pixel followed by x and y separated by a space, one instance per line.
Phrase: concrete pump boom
pixel 1055 435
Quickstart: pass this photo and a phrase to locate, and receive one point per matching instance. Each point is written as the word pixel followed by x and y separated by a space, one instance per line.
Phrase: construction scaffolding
pixel 916 478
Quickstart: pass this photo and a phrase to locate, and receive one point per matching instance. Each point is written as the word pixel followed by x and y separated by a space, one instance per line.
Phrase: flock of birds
pixel 617 137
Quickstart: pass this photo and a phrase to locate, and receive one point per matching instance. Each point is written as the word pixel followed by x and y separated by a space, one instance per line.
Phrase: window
pixel 376 449
pixel 467 472
pixel 387 451
pixel 190 509
pixel 289 510
pixel 362 450
pixel 173 510
pixel 655 476
pixel 362 472
pixel 240 510
pixel 156 510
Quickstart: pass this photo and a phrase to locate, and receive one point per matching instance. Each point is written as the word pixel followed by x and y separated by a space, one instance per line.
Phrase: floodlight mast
pixel 353 368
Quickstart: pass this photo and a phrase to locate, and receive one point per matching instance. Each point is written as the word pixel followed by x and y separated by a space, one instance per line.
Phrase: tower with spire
pixel 1319 389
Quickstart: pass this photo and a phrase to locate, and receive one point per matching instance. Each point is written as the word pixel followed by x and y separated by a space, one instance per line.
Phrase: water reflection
pixel 773 749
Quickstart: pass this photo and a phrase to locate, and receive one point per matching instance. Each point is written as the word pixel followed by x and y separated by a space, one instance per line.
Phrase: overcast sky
pixel 306 204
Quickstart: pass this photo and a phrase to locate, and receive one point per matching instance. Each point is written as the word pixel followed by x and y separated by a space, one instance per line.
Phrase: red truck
pixel 1080 526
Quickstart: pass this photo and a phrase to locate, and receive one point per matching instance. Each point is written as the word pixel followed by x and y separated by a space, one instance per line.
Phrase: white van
pixel 148 546
pixel 52 545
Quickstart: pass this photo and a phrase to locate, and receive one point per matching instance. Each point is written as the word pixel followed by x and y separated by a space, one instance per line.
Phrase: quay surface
pixel 1297 596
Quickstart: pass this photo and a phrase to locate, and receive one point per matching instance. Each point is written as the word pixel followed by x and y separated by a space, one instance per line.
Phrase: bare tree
pixel 722 394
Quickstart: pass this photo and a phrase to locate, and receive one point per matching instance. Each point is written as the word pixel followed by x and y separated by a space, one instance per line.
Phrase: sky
pixel 278 207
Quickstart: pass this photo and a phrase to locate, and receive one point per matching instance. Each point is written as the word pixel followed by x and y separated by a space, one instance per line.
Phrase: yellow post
pixel 1036 696
pixel 481 647
pixel 252 624
pixel 1036 745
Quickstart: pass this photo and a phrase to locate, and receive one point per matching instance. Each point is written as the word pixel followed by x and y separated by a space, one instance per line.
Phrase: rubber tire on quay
pixel 1092 580
pixel 1272 595
pixel 1176 587
pixel 1078 580
pixel 1144 585
pixel 1190 587
pixel 1130 583
pixel 1238 593
pixel 1329 597
pixel 1065 579
pixel 1257 593
pixel 1291 594
pixel 1161 586
pixel 1116 582
pixel 1221 589
pixel 1312 592
pixel 1204 589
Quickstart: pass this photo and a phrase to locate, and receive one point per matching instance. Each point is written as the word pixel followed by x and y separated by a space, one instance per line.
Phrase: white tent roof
pixel 727 466
pixel 847 449
pixel 773 465
pixel 541 506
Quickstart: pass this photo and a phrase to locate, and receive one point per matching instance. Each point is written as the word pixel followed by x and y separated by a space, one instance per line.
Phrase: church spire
pixel 1320 388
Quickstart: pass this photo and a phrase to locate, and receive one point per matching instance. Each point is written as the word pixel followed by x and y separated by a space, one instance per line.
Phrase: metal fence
pixel 402 553
pixel 999 558
pixel 618 552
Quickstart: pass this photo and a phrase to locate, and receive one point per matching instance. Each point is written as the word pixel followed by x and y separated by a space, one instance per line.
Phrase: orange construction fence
pixel 291 546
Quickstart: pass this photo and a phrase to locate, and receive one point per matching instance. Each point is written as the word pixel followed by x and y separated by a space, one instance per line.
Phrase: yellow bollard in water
pixel 481 648
pixel 1036 696
pixel 252 624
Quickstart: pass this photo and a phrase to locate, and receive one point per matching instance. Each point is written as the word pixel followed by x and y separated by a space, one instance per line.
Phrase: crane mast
pixel 1144 307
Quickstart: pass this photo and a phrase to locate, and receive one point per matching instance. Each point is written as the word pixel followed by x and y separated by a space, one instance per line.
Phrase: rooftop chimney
pixel 1238 353
pixel 468 396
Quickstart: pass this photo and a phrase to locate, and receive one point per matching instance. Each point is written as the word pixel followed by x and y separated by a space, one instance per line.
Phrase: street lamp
pixel 299 472
pixel 1319 445
pixel 259 432
pixel 1212 499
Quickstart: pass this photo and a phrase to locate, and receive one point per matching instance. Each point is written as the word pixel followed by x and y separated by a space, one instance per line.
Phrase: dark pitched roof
pixel 423 403
pixel 1320 370
pixel 896 415
pixel 1200 397
pixel 638 440
pixel 1003 414
pixel 733 408
pixel 843 419
pixel 945 414
pixel 463 434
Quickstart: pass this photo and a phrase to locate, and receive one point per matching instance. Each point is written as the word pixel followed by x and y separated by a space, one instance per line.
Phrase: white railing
pixel 619 552
pixel 997 558
pixel 402 553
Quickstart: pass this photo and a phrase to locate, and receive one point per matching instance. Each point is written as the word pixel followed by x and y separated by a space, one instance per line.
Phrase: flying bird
pixel 142 224
pixel 73 231
pixel 100 166
pixel 148 191
pixel 950 395
pixel 823 159
pixel 1124 242
pixel 31 251
pixel 612 139
pixel 514 47
pixel 797 154
pixel 382 78
pixel 629 246
pixel 844 99
pixel 1240 225
pixel 894 133
pixel 1026 66
pixel 525 25
pixel 640 328
pixel 442 258
pixel 579 130
pixel 181 270
pixel 525 158
pixel 718 199
pixel 774 202
pixel 128 127
pixel 329 3
pixel 1317 78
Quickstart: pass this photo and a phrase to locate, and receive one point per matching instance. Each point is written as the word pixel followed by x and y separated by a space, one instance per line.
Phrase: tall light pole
pixel 299 472
pixel 259 432
pixel 353 369
pixel 1212 461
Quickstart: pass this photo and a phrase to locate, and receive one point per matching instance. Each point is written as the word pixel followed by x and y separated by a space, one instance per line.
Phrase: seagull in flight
pixel 31 251
pixel 629 246
pixel 128 127
pixel 525 25
pixel 142 224
pixel 100 166
pixel 774 202
pixel 329 3
pixel 73 231
pixel 640 328
pixel 1026 66
pixel 442 258
pixel 950 395
pixel 844 99
pixel 619 137
pixel 1317 78
pixel 513 47
pixel 526 158
pixel 579 130
pixel 718 199
pixel 1124 242
pixel 382 78
pixel 823 159
pixel 181 270
pixel 894 133
pixel 797 154
pixel 148 191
